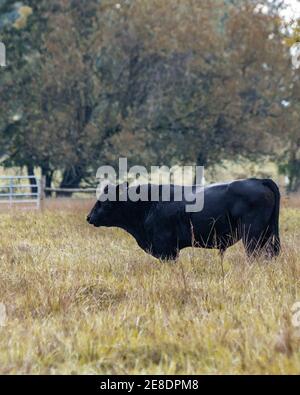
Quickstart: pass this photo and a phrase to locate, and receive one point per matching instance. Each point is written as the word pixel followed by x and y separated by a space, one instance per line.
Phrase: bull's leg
pixel 165 248
pixel 267 243
pixel 170 256
pixel 255 235
pixel 165 254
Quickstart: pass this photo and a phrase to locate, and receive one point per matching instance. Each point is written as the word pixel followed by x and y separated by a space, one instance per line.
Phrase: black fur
pixel 244 209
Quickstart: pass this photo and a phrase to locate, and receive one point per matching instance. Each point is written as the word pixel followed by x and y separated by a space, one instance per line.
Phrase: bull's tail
pixel 274 222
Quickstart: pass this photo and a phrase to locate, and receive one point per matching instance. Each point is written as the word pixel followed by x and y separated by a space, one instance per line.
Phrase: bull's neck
pixel 132 218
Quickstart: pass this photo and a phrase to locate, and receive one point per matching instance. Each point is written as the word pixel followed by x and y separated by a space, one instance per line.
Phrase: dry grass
pixel 84 300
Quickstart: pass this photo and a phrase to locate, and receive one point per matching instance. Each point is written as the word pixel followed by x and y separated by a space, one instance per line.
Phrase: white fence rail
pixel 15 190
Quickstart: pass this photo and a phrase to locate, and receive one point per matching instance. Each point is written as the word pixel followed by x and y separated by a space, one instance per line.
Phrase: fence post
pixel 10 191
pixel 42 192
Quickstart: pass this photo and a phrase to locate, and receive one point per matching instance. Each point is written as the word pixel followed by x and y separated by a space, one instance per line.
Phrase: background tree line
pixel 160 82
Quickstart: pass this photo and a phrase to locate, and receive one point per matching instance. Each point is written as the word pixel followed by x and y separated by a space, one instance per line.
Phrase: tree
pixel 50 91
pixel 288 156
pixel 160 82
pixel 187 84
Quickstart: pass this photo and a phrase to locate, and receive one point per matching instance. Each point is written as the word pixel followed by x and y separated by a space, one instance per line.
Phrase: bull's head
pixel 106 211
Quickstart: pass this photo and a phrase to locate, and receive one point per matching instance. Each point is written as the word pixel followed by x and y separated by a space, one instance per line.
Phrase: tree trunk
pixel 32 181
pixel 293 172
pixel 48 174
pixel 71 179
pixel 201 161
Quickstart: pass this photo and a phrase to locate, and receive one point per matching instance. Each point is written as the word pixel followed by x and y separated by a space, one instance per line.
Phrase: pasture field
pixel 85 300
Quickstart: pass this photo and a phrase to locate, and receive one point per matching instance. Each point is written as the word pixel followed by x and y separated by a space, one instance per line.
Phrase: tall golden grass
pixel 86 300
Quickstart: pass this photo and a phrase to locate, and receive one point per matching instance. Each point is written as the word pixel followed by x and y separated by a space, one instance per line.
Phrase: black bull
pixel 246 210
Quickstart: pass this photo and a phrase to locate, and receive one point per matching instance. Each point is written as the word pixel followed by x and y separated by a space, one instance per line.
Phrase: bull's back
pixel 225 205
pixel 249 195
